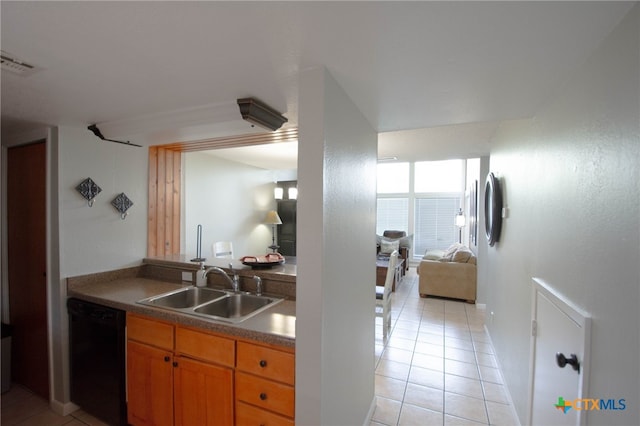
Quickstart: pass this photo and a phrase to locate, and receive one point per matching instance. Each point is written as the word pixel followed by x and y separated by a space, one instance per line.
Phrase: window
pixel 393 213
pixel 422 199
pixel 439 176
pixel 435 224
pixel 393 178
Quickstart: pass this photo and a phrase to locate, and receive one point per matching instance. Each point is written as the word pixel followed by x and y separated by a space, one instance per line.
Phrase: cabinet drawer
pixel 205 346
pixel 248 415
pixel 265 394
pixel 150 331
pixel 266 362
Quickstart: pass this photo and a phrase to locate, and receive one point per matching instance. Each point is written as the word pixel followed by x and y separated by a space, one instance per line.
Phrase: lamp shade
pixel 272 218
pixel 278 192
pixel 293 193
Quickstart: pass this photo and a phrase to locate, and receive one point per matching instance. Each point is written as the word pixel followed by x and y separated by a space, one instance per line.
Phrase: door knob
pixel 572 361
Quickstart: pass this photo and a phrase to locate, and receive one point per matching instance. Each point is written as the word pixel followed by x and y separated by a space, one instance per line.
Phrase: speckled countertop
pixel 122 290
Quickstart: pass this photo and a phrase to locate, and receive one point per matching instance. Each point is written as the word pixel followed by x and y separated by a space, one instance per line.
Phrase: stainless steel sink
pixel 184 298
pixel 213 304
pixel 235 306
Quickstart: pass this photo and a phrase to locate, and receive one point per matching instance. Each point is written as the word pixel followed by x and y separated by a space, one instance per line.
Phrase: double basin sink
pixel 212 304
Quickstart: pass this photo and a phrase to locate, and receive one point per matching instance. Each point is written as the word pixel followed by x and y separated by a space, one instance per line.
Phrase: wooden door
pixel 27 265
pixel 149 385
pixel 203 393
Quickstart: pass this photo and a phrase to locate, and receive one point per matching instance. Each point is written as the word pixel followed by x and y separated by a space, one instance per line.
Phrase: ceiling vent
pixel 14 65
pixel 255 112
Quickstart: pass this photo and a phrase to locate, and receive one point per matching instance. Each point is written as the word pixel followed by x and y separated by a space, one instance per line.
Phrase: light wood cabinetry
pixel 265 379
pixel 179 375
pixel 174 377
pixel 149 372
pixel 203 393
pixel 149 385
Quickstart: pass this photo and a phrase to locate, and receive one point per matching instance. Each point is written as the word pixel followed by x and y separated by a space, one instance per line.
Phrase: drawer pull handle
pixel 175 364
pixel 166 359
pixel 263 396
pixel 263 363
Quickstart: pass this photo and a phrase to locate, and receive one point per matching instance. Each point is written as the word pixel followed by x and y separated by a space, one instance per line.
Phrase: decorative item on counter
pixel 198 257
pixel 273 219
pixel 122 203
pixel 267 261
pixel 89 190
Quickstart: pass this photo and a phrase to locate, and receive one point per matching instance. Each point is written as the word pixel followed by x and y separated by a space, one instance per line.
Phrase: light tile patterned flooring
pixel 22 407
pixel 437 366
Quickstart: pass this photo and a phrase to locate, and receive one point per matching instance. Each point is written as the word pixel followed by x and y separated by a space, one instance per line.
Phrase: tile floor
pixel 437 366
pixel 22 407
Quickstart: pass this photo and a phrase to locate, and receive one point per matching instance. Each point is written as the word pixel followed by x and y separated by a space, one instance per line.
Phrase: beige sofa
pixel 450 273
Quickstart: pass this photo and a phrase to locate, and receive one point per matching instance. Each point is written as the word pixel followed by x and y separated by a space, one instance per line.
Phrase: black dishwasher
pixel 97 360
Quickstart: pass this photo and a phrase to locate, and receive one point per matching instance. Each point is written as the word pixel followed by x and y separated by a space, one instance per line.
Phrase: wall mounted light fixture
pixel 278 193
pixel 293 193
pixel 255 112
pixel 286 190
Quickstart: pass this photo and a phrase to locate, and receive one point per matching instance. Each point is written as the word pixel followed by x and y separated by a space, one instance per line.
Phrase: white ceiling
pixel 158 72
pixel 274 156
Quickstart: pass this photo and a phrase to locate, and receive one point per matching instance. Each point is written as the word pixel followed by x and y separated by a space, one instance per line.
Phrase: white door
pixel 558 328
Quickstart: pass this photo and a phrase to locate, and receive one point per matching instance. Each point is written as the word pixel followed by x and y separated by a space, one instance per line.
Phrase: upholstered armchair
pixel 395 240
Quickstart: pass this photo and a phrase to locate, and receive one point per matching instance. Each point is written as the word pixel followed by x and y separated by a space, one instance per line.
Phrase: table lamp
pixel 273 219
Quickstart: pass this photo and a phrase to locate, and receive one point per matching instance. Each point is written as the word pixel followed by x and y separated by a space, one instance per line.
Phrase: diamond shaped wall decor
pixel 89 190
pixel 122 203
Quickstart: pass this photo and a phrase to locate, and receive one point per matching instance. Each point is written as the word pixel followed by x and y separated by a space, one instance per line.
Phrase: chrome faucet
pixel 235 281
pixel 258 281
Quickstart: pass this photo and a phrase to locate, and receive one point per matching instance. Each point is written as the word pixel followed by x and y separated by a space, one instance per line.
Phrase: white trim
pixel 372 409
pixel 582 319
pixel 63 409
pixel 512 407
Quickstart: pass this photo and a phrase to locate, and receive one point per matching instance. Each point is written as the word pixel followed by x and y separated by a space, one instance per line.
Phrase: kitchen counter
pixel 122 289
pixel 285 272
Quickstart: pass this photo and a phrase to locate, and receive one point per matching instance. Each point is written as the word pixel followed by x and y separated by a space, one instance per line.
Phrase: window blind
pixel 434 224
pixel 393 213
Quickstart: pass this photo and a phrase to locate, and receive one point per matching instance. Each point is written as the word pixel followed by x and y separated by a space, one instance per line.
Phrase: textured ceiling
pixel 163 71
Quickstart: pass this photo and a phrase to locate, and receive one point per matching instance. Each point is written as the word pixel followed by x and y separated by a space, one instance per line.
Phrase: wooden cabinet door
pixel 248 415
pixel 149 385
pixel 203 393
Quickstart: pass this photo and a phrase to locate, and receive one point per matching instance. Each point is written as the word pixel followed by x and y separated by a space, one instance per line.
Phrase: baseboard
pixel 63 408
pixel 372 409
pixel 504 383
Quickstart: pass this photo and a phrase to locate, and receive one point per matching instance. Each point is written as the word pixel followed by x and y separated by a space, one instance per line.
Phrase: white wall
pixel 571 181
pixel 336 256
pixel 96 239
pixel 89 239
pixel 230 201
